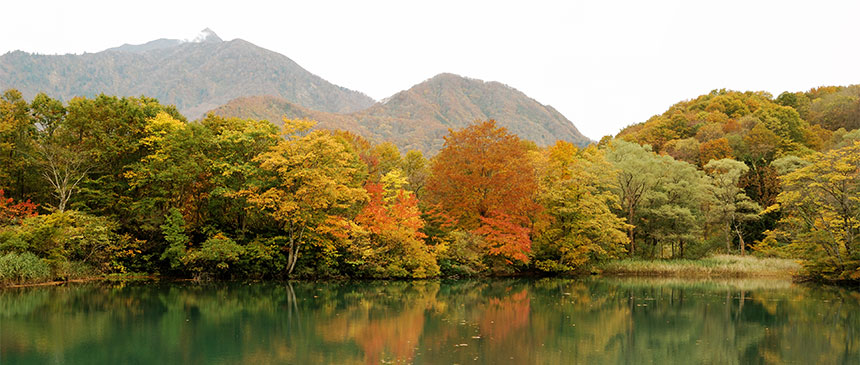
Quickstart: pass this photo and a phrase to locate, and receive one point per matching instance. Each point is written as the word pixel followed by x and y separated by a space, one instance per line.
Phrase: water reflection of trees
pixel 501 321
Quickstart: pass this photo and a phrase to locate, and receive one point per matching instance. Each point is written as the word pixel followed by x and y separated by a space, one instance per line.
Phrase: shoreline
pixel 88 279
pixel 712 267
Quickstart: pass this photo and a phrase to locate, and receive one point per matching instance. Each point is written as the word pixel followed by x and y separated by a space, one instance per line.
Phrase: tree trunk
pixel 741 238
pixel 290 254
pixel 293 253
pixel 630 230
pixel 728 232
pixel 64 170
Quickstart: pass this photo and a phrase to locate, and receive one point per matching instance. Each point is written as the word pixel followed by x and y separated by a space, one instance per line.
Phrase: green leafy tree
pixel 730 206
pixel 661 199
pixel 48 114
pixel 111 132
pixel 173 172
pixel 672 213
pixel 63 167
pixel 214 256
pixel 177 241
pixel 416 169
pixel 65 238
pixel 234 143
pixel 17 137
pixel 639 172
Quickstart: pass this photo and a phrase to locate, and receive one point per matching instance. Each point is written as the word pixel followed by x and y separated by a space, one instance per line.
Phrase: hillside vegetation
pixel 787 168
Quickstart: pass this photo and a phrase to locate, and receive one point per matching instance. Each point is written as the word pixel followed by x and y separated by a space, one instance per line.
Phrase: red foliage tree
pixel 485 180
pixel 12 213
pixel 375 215
pixel 506 236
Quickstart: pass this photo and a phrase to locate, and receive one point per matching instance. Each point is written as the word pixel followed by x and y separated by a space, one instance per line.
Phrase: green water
pixel 545 321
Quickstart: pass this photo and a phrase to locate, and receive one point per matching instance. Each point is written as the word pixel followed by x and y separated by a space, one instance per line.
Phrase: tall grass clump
pixel 713 266
pixel 19 268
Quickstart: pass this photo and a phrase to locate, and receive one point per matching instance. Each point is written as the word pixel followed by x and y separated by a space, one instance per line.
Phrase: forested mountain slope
pixel 419 117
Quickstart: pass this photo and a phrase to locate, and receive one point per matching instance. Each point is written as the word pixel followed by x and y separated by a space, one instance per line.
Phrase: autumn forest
pixel 118 185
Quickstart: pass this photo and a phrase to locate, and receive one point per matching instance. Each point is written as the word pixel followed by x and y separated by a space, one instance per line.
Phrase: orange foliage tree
pixel 714 150
pixel 485 180
pixel 392 244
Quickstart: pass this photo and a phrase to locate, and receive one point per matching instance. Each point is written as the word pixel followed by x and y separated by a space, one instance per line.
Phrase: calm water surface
pixel 546 321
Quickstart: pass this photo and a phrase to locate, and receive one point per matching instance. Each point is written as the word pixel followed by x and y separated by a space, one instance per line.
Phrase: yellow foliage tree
pixel 820 207
pixel 577 226
pixel 309 179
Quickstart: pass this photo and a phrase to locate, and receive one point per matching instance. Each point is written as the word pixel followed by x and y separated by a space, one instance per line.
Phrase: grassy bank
pixel 714 266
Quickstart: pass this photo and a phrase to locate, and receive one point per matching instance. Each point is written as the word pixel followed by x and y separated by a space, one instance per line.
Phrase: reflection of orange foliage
pixel 389 337
pixel 505 315
pixel 399 335
pixel 278 352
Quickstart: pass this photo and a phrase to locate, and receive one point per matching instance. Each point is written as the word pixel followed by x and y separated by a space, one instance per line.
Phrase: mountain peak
pixel 448 77
pixel 207 36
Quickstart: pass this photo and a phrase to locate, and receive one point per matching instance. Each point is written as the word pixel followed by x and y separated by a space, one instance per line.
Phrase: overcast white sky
pixel 603 64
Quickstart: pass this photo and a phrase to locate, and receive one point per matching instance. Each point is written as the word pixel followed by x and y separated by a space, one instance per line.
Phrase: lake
pixel 516 321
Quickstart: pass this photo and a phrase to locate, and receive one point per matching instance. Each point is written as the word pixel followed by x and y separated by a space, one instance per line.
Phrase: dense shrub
pixel 215 256
pixel 462 257
pixel 64 237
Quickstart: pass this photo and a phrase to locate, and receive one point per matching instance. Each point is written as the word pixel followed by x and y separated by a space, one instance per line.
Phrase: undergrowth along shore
pixel 714 266
pixel 717 266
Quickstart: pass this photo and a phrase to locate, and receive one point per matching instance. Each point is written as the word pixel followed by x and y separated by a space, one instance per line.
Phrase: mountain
pixel 195 75
pixel 208 73
pixel 419 117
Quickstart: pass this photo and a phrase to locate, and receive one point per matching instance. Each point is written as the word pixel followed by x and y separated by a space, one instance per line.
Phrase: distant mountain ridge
pixel 237 78
pixel 196 76
pixel 419 117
